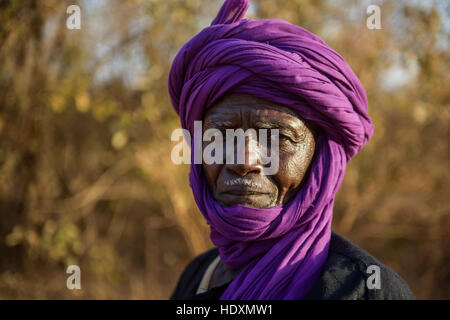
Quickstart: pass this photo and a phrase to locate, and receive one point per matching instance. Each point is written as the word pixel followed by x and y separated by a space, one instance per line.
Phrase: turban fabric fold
pixel 282 249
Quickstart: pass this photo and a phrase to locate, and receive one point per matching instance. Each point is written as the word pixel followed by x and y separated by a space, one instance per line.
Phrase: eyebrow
pixel 295 128
pixel 218 123
pixel 290 125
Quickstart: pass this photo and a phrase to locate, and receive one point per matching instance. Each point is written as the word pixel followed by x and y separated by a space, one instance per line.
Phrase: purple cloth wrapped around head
pixel 283 248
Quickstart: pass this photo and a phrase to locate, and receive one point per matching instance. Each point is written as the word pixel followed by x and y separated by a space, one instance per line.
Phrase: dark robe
pixel 344 277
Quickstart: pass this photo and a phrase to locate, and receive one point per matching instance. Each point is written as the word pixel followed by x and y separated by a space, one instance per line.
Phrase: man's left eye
pixel 284 137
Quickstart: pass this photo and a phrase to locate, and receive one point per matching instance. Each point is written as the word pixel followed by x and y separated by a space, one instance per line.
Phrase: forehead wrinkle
pixel 218 122
pixel 286 124
pixel 228 110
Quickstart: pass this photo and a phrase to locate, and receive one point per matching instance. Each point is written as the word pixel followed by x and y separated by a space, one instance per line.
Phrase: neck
pixel 231 271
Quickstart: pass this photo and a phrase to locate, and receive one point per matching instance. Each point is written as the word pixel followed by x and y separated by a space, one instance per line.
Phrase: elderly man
pixel 273 232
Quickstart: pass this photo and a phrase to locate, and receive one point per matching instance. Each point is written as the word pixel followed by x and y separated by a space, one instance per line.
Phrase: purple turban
pixel 282 249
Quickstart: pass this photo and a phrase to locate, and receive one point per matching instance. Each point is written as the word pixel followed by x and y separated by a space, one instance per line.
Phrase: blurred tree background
pixel 85 124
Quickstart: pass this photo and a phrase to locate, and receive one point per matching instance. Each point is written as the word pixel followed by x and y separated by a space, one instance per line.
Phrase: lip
pixel 243 191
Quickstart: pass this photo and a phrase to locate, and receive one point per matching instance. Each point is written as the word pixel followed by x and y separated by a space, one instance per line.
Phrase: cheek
pixel 293 166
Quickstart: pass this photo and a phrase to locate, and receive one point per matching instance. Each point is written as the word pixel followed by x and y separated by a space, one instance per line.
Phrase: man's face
pixel 246 184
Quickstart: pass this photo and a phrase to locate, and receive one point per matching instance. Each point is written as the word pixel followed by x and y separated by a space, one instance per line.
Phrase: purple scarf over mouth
pixel 282 249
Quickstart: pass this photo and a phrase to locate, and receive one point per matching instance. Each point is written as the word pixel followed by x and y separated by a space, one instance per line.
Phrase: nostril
pixel 243 169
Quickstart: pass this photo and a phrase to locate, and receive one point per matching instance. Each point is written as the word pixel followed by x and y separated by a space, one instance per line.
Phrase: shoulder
pixel 192 274
pixel 349 272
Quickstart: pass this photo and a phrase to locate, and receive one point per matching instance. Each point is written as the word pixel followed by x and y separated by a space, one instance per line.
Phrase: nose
pixel 243 169
pixel 251 163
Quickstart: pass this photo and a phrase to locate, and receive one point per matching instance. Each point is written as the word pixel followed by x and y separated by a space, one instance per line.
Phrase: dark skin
pixel 254 189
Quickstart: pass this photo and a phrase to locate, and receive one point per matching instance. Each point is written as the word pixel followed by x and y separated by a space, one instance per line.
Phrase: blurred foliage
pixel 85 124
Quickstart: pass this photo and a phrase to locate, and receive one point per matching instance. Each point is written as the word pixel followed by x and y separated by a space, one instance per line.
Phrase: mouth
pixel 243 191
pixel 244 196
pixel 252 193
pixel 249 196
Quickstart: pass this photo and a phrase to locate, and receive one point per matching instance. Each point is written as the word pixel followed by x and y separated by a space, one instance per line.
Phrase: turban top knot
pixel 282 249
